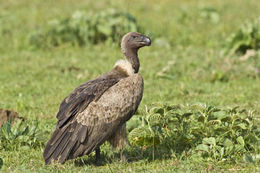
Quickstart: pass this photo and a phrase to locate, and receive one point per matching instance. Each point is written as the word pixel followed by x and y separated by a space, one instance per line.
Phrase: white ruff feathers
pixel 125 65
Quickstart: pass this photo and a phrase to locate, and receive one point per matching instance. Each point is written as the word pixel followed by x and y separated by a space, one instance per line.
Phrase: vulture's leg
pixel 119 141
pixel 97 161
pixel 123 156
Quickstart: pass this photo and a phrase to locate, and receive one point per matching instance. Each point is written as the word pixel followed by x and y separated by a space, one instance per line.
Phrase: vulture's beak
pixel 146 41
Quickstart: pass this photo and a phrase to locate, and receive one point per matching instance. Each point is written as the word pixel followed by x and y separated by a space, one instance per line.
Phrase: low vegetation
pixel 213 133
pixel 246 37
pixel 20 135
pixel 85 28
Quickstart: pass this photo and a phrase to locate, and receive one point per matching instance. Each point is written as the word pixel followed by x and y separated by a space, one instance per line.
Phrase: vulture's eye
pixel 134 36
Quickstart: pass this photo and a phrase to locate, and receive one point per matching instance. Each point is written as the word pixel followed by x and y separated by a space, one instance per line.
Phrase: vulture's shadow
pixel 133 154
pixel 90 160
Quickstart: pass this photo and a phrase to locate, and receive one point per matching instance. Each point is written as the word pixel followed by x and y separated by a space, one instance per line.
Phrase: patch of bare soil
pixel 9 116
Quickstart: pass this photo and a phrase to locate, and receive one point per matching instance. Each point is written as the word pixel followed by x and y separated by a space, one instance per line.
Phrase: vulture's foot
pixel 98 161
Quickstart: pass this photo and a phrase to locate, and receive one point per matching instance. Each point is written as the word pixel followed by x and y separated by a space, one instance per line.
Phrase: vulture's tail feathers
pixel 63 141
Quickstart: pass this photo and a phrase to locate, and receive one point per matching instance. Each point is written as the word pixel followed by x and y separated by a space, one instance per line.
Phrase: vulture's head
pixel 134 40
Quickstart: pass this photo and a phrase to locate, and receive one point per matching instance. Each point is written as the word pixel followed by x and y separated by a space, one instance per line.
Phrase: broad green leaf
pixel 252 138
pixel 220 114
pixel 199 106
pixel 226 119
pixel 239 148
pixel 242 126
pixel 248 158
pixel 187 114
pixel 221 151
pixel 213 122
pixel 228 143
pixel 8 129
pixel 201 119
pixel 158 110
pixel 104 29
pixel 155 119
pixel 202 147
pixel 241 141
pixel 210 141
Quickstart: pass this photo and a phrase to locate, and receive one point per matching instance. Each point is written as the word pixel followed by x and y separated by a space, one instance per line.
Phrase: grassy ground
pixel 33 82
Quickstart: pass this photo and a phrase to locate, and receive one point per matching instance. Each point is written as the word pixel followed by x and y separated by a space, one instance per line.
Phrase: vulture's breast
pixel 118 103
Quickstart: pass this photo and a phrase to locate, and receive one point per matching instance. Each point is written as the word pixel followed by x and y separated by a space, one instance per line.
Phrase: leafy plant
pixel 247 37
pixel 212 132
pixel 20 135
pixel 85 28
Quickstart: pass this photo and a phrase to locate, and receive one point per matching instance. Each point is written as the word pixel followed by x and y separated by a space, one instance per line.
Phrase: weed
pixel 20 135
pixel 85 28
pixel 246 37
pixel 215 133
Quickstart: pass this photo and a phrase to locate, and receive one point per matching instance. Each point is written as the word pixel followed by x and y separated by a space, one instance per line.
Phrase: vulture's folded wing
pixel 89 118
pixel 80 98
pixel 68 131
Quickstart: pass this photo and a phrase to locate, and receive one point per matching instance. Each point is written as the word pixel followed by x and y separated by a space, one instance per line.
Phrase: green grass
pixel 34 82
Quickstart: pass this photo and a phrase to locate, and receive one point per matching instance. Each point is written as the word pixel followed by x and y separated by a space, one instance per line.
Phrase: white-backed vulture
pixel 97 110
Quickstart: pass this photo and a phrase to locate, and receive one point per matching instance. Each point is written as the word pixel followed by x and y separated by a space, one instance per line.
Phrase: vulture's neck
pixel 132 57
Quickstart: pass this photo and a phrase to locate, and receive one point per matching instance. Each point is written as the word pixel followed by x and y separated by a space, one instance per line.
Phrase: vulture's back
pixel 119 102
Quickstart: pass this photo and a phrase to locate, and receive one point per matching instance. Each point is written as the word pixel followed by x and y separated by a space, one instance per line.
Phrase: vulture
pixel 97 110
